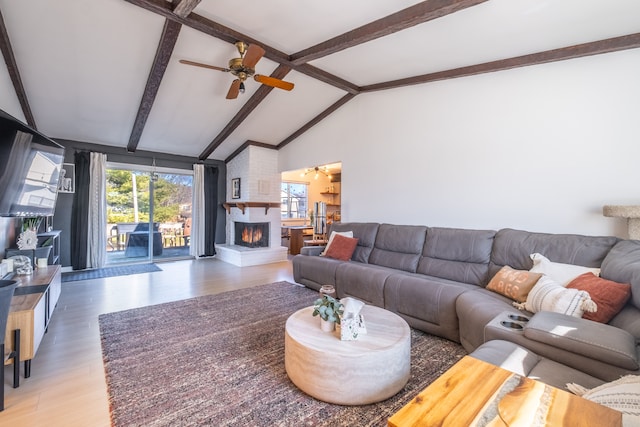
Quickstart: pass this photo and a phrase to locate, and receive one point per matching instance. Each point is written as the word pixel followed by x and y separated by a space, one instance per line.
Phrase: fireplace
pixel 251 234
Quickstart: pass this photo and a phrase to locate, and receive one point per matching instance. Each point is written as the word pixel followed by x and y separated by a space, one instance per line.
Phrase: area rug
pixel 121 270
pixel 219 360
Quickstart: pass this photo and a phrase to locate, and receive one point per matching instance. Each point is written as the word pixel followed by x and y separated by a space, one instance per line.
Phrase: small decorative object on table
pixel 352 322
pixel 328 290
pixel 329 309
pixel 28 239
pixel 22 264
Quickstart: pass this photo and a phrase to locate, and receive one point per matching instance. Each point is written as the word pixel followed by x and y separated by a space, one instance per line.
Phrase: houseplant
pixel 329 309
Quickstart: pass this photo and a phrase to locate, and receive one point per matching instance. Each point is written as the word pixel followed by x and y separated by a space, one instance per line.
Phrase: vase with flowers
pixel 28 238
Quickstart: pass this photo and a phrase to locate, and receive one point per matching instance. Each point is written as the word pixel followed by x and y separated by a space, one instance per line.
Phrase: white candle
pixel 42 262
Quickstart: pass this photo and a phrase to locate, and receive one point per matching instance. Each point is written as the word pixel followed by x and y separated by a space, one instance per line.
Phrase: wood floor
pixel 67 385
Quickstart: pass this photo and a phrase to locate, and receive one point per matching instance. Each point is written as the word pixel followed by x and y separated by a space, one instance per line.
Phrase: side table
pixel 372 368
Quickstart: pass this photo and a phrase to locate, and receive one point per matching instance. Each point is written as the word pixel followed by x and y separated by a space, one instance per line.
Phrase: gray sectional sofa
pixel 435 279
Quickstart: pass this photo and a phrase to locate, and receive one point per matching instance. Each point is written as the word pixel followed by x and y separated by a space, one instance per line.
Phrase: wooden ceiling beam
pixel 229 35
pixel 406 18
pixel 184 7
pixel 168 40
pixel 14 73
pixel 247 144
pixel 244 112
pixel 317 119
pixel 615 44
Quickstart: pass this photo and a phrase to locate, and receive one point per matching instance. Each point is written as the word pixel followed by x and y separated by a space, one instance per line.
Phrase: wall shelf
pixel 243 205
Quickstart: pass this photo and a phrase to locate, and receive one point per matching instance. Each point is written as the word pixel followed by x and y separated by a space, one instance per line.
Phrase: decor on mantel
pixel 631 213
pixel 235 188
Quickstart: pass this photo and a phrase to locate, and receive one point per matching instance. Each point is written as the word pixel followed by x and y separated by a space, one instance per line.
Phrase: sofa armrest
pixel 595 340
pixel 311 250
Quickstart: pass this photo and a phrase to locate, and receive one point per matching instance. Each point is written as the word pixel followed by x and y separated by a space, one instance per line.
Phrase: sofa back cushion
pixel 398 246
pixel 514 247
pixel 457 254
pixel 622 265
pixel 365 232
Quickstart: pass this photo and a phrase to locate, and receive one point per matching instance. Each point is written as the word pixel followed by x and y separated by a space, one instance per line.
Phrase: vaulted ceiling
pixel 107 71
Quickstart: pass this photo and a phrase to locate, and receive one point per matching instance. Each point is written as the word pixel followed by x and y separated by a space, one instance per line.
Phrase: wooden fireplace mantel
pixel 243 205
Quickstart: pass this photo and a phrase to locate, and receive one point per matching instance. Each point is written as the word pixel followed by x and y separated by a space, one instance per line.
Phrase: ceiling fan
pixel 243 68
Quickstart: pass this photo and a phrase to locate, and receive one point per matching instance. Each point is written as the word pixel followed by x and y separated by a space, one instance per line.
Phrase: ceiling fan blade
pixel 234 90
pixel 253 55
pixel 272 81
pixel 198 64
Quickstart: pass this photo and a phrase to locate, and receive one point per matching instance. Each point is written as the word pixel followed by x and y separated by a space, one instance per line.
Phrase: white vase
pixel 326 325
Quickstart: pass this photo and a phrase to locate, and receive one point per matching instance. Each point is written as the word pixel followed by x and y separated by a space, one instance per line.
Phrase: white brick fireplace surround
pixel 257 169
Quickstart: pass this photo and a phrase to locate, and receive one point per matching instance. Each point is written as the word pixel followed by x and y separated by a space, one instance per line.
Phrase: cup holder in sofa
pixel 518 318
pixel 512 325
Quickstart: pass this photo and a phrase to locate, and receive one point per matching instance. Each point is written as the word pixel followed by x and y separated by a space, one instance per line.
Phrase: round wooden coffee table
pixel 372 368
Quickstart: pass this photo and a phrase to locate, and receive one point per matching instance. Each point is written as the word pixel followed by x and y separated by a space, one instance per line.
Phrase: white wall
pixel 539 148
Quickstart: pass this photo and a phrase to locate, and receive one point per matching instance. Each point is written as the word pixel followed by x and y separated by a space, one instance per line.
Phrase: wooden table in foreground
pixel 476 393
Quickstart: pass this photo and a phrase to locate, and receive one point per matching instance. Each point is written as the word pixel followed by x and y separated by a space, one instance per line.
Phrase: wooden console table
pixel 32 305
pixel 476 393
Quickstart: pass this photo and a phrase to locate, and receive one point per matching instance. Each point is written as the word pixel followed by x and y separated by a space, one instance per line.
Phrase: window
pixel 293 196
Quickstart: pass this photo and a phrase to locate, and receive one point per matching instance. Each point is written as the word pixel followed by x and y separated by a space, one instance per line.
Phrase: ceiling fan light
pixel 241 87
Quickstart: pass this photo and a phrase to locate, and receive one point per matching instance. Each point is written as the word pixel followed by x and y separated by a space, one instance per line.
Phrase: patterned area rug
pixel 219 360
pixel 122 270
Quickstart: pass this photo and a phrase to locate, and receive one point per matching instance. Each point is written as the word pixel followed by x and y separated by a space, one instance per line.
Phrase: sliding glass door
pixel 148 214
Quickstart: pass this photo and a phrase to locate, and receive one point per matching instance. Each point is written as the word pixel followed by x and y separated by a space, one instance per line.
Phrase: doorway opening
pixel 148 214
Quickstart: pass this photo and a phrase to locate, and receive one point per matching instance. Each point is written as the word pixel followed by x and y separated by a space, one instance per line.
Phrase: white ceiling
pixel 84 64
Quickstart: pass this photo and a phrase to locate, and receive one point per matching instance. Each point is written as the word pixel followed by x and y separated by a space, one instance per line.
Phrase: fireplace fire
pixel 252 234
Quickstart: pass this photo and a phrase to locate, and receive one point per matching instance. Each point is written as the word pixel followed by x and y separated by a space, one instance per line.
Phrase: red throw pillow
pixel 610 296
pixel 341 247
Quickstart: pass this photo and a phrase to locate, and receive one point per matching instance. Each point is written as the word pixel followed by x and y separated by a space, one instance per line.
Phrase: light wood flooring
pixel 67 384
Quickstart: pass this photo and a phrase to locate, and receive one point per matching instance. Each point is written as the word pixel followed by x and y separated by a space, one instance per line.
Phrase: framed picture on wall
pixel 235 188
pixel 67 182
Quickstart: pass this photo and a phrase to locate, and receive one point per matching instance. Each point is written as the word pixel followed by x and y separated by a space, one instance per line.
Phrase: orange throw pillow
pixel 342 247
pixel 514 284
pixel 610 296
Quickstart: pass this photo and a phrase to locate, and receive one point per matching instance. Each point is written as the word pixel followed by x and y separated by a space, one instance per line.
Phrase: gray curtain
pixel 80 212
pixel 210 209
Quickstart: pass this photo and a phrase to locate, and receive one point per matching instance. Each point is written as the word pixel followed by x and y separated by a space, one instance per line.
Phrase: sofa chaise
pixel 436 279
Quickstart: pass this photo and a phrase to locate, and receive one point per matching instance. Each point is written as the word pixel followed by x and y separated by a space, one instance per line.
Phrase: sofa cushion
pixel 457 254
pixel 595 340
pixel 547 295
pixel 608 295
pixel 522 361
pixel 362 281
pixel 622 265
pixel 514 247
pixel 332 236
pixel 315 271
pixel 341 248
pixel 560 272
pixel 365 232
pixel 623 395
pixel 425 302
pixel 514 284
pixel 398 246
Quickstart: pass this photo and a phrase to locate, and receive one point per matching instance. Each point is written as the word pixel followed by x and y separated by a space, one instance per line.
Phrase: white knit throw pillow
pixel 548 295
pixel 622 395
